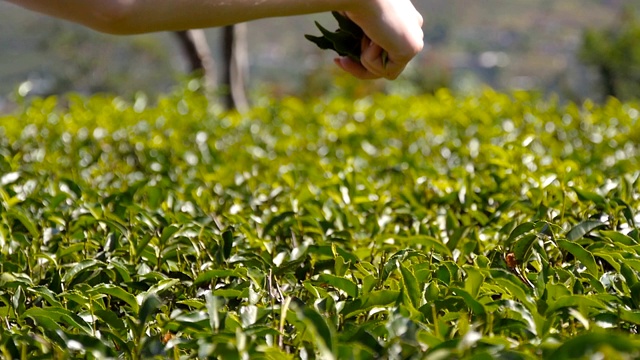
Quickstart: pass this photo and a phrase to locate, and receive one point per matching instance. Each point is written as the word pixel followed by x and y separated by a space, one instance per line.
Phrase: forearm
pixel 139 16
pixel 392 28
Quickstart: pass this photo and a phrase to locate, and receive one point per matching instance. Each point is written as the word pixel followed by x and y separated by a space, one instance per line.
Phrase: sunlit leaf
pixel 585 257
pixel 59 315
pixel 343 284
pixel 575 301
pixel 117 292
pixel 373 299
pixel 411 286
pixel 589 195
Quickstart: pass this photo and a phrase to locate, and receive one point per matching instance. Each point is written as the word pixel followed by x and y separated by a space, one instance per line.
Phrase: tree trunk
pixel 608 80
pixel 196 49
pixel 235 67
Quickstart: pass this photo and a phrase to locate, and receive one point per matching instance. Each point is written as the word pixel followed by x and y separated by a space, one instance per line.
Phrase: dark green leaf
pixel 582 229
pixel 84 265
pixel 227 243
pixel 150 304
pixel 523 245
pixel 325 334
pixel 520 230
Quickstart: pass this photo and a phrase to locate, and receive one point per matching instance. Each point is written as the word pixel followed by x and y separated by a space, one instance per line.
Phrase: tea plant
pixel 345 40
pixel 498 226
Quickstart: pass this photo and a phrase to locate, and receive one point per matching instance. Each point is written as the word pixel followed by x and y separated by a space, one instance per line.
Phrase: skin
pixel 393 28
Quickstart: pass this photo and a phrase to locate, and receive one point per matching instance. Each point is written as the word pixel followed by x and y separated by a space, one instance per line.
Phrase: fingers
pixel 376 60
pixel 355 68
pixel 374 63
pixel 394 36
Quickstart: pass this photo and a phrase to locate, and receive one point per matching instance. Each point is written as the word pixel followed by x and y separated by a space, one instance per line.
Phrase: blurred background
pixel 576 49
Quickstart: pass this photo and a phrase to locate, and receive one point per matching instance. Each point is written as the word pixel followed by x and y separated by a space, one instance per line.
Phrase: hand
pixel 393 36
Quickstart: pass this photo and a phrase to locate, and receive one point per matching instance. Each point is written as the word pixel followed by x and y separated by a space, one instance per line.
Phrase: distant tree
pixel 615 53
pixel 234 62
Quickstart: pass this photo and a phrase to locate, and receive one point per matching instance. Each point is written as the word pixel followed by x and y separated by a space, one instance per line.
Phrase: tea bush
pixel 498 226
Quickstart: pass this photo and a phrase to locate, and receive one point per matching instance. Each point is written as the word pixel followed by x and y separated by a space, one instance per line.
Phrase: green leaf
pixel 276 220
pixel 347 25
pixel 587 344
pixel 379 298
pixel 341 266
pixel 618 237
pixel 629 316
pixel 575 301
pixel 582 229
pixel 59 315
pixel 18 301
pixel 523 310
pixel 150 304
pixel 20 215
pixel 513 285
pixel 474 281
pixel 429 243
pixel 472 303
pixel 84 265
pixel 411 286
pixel 585 195
pixel 90 344
pixel 213 307
pixel 520 230
pixel 607 256
pixel 635 293
pixel 162 286
pixel 112 318
pixel 629 275
pixel 227 244
pixel 523 246
pixel 168 232
pixel 46 294
pixel 321 41
pixel 585 257
pixel 214 274
pixel 48 322
pixel 117 292
pixel 340 283
pixel 230 293
pixel 324 333
pixel 73 250
pixel 346 41
pixel 14 280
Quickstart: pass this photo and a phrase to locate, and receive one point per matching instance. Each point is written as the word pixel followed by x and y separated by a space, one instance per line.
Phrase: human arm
pixel 392 25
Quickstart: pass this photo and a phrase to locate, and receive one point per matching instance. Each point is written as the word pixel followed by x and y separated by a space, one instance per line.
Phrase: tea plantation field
pixel 498 226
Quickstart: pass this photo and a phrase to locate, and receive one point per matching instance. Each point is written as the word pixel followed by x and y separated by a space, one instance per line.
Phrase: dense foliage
pixel 493 226
pixel 615 53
